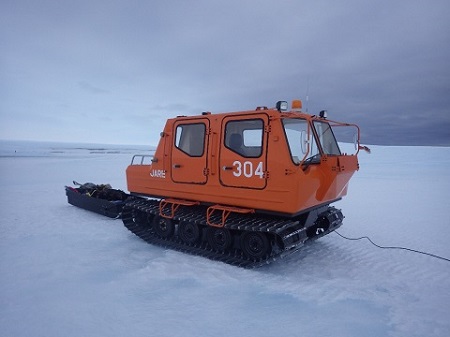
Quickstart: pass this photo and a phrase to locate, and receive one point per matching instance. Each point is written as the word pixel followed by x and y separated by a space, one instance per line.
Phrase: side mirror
pixel 305 141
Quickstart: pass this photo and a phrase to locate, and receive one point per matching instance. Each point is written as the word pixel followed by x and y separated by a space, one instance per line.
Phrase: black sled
pixel 101 199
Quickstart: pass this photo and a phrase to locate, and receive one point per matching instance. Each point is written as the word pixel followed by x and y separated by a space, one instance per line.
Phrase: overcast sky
pixel 110 71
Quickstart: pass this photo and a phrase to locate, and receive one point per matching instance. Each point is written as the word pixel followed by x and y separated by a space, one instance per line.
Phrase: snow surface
pixel 68 272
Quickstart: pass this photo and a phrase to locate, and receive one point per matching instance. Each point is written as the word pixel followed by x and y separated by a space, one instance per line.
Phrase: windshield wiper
pixel 315 159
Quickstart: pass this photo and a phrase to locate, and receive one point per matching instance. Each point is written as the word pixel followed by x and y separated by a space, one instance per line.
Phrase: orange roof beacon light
pixel 297 105
pixel 245 187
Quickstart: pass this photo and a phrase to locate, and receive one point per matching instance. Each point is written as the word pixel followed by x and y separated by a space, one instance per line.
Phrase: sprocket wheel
pixel 143 219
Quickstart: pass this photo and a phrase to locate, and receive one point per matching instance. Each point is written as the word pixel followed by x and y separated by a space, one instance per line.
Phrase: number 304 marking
pixel 246 169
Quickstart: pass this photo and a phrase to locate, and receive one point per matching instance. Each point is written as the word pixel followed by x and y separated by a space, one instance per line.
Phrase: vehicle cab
pixel 272 160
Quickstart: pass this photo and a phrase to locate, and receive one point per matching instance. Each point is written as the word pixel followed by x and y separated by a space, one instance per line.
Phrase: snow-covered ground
pixel 68 272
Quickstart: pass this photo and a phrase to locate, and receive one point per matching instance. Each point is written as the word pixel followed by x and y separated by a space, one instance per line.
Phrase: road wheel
pixel 189 232
pixel 219 239
pixel 163 227
pixel 255 245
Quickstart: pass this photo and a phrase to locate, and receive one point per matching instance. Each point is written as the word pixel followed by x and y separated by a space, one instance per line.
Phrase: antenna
pixel 307 93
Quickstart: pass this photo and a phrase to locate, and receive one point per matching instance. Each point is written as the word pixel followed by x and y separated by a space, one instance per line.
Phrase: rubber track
pixel 237 222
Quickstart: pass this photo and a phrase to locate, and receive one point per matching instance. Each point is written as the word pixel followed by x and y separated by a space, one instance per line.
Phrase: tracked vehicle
pixel 245 187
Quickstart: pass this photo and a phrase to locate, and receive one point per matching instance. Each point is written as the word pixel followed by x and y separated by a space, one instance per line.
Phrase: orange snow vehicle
pixel 244 187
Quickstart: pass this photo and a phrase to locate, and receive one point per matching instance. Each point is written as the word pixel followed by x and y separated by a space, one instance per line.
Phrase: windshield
pixel 302 143
pixel 326 138
pixel 300 140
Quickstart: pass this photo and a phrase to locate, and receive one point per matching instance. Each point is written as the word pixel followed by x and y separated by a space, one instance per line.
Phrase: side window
pixel 190 138
pixel 245 137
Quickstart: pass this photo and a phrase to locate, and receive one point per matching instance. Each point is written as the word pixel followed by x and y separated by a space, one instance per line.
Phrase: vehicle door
pixel 243 151
pixel 189 151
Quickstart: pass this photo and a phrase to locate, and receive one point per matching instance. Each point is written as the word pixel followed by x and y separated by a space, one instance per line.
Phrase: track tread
pixel 280 228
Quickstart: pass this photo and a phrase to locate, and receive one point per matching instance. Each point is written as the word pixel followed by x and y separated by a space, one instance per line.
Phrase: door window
pixel 243 156
pixel 245 137
pixel 190 138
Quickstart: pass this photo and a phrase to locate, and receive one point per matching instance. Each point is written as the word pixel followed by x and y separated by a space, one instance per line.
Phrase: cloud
pixel 382 64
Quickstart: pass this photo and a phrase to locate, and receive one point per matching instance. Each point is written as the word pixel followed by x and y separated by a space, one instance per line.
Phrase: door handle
pixel 176 166
pixel 227 168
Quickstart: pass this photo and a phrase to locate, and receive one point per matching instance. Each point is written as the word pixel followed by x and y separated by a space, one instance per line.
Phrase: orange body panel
pixel 205 167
